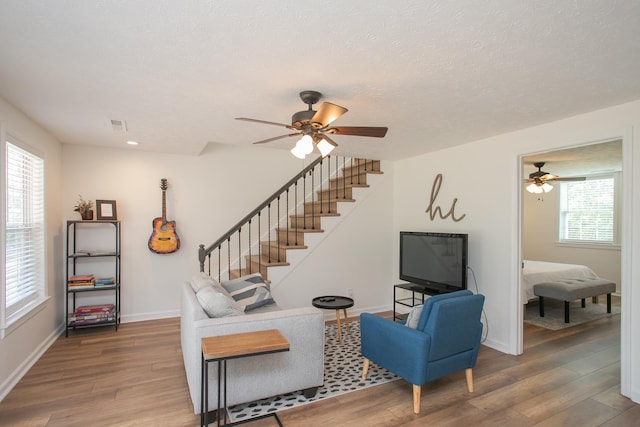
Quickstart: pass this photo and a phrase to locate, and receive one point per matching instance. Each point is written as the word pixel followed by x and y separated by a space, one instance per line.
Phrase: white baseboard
pixel 141 317
pixel 28 363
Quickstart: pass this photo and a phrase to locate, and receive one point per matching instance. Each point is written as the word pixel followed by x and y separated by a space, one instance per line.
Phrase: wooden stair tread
pixel 362 172
pixel 346 184
pixel 260 260
pixel 315 215
pixel 300 230
pixel 333 199
pixel 276 246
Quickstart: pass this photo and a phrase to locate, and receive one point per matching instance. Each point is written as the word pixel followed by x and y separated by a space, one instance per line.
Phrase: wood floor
pixel 136 377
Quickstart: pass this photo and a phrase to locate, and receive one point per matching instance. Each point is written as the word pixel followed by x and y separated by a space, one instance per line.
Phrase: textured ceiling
pixel 437 73
pixel 585 160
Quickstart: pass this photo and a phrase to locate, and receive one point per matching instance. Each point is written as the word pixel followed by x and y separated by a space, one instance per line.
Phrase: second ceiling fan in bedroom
pixel 539 180
pixel 314 126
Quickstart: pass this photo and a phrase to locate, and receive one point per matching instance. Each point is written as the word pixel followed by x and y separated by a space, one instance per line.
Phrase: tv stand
pixel 418 293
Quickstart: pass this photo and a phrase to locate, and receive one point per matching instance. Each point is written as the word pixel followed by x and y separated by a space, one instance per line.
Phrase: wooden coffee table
pixel 225 347
pixel 337 303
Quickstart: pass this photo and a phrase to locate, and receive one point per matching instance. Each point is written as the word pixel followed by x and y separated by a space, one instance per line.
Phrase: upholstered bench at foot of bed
pixel 572 289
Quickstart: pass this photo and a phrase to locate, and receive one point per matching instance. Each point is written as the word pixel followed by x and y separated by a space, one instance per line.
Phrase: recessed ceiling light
pixel 133 142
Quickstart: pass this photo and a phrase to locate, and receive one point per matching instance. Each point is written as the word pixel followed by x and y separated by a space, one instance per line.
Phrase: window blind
pixel 587 210
pixel 24 228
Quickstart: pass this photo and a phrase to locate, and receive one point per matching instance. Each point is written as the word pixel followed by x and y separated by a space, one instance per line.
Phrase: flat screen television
pixel 437 261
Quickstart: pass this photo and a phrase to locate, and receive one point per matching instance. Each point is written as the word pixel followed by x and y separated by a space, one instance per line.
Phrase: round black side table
pixel 337 303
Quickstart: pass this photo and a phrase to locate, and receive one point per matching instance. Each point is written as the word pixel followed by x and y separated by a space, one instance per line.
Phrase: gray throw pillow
pixel 201 280
pixel 414 316
pixel 216 304
pixel 250 291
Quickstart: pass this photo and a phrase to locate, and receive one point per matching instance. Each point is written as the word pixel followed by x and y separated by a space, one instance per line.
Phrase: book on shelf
pixel 92 321
pixel 94 308
pixel 81 278
pixel 105 281
pixel 80 287
pixel 95 316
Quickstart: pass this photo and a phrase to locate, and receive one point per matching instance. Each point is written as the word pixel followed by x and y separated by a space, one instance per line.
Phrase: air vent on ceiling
pixel 119 125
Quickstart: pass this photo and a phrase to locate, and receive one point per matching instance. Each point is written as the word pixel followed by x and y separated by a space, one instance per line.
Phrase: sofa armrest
pixel 251 378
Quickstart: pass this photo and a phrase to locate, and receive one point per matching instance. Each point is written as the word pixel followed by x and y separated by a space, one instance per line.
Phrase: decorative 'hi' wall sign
pixel 434 210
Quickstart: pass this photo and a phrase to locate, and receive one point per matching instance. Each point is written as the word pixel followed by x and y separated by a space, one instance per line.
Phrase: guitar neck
pixel 164 206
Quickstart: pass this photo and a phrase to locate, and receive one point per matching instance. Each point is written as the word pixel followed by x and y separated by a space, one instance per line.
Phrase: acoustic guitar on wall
pixel 164 239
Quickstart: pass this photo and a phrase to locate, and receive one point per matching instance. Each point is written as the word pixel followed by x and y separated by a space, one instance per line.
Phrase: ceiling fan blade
pixel 327 113
pixel 376 132
pixel 329 140
pixel 575 178
pixel 275 138
pixel 266 122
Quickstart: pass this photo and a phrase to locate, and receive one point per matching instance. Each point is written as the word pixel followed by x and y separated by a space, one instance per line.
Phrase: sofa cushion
pixel 201 280
pixel 217 304
pixel 249 291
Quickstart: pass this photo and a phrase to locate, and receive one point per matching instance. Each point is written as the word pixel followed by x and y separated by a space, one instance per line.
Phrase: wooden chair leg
pixel 469 374
pixel 416 398
pixel 365 368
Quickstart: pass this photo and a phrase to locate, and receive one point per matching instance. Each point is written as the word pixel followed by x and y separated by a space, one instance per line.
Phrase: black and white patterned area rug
pixel 342 374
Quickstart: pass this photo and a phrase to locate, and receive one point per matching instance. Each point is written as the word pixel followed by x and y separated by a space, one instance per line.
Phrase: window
pixel 588 211
pixel 24 231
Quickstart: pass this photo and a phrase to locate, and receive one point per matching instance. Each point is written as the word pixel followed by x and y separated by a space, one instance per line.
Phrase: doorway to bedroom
pixel 571 218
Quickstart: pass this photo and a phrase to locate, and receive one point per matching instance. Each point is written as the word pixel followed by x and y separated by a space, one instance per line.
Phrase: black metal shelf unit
pixel 418 293
pixel 75 258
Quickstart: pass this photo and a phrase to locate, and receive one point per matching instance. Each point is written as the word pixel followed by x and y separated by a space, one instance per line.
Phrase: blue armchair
pixel 446 340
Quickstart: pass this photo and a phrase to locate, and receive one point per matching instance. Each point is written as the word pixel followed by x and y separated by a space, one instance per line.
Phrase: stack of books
pixel 92 314
pixel 105 281
pixel 81 282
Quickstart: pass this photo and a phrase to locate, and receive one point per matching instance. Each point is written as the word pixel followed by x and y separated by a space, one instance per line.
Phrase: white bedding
pixel 540 271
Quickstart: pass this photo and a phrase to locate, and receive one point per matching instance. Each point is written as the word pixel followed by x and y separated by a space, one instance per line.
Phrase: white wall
pixel 540 236
pixel 486 178
pixel 24 344
pixel 355 252
pixel 206 196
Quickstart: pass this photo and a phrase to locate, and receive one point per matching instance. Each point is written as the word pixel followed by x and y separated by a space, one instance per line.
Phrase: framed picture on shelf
pixel 106 209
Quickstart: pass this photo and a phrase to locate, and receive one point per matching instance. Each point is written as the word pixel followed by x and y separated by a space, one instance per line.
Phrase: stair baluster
pixel 324 194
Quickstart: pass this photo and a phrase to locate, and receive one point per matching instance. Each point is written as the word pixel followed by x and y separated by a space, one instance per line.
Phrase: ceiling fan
pixel 314 126
pixel 539 180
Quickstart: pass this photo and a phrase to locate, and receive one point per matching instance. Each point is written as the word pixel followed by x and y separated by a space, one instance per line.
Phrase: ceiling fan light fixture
pixel 298 153
pixel 547 187
pixel 531 188
pixel 305 144
pixel 539 187
pixel 324 147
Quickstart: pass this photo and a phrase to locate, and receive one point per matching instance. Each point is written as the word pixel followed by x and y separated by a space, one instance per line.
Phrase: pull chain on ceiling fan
pixel 313 126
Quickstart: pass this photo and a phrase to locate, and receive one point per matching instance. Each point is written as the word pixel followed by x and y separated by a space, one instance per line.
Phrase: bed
pixel 540 271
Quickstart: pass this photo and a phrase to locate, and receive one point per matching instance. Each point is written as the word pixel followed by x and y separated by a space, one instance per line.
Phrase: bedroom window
pixel 23 251
pixel 588 210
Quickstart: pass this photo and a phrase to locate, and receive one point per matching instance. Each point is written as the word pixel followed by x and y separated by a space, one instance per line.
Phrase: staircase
pixel 278 225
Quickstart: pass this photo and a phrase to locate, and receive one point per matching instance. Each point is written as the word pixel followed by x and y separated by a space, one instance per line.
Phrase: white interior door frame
pixel 628 347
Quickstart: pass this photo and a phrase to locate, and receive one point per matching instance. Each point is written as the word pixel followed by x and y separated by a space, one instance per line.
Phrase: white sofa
pixel 252 378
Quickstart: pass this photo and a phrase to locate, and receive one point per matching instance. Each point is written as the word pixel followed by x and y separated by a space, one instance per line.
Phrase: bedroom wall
pixel 491 205
pixel 24 344
pixel 540 235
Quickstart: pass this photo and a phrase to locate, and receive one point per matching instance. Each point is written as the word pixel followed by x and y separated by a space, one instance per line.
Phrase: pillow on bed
pixel 249 291
pixel 217 304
